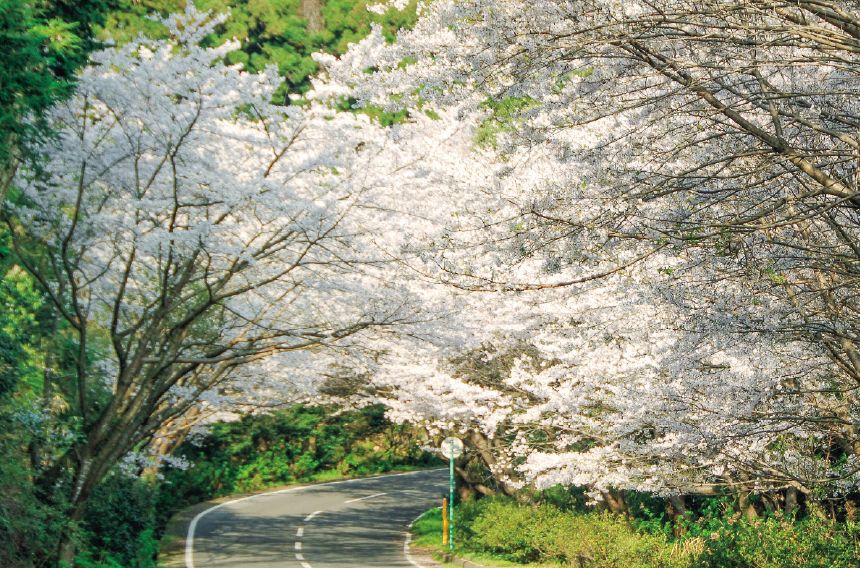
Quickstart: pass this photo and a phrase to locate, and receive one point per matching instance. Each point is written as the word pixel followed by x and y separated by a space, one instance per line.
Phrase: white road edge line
pixel 189 540
pixel 363 498
pixel 312 515
pixel 406 551
pixel 301 531
pixel 409 539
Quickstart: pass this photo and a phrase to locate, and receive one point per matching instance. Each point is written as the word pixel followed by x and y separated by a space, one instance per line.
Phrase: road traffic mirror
pixel 452 448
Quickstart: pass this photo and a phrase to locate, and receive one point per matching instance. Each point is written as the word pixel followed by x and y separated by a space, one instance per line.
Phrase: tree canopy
pixel 680 182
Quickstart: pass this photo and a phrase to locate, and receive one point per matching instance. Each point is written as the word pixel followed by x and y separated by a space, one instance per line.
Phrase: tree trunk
pixel 7 174
pixel 67 553
pixel 678 512
pixel 470 485
pixel 311 12
pixel 615 501
pixel 68 541
pixel 8 166
pixel 790 501
pixel 482 445
pixel 745 507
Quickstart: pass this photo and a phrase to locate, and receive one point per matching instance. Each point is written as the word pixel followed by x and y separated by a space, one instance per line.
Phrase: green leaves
pixel 19 302
pixel 43 43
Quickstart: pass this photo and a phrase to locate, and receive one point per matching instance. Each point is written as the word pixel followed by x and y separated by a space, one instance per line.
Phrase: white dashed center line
pixel 299 533
pixel 363 498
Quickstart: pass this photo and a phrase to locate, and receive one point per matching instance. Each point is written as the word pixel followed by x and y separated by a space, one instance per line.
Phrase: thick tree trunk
pixel 467 485
pixel 482 445
pixel 678 512
pixel 67 553
pixel 312 13
pixel 615 501
pixel 67 543
pixel 745 507
pixel 790 501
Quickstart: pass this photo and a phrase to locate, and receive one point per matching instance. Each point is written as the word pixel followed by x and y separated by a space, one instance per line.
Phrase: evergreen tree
pixel 43 42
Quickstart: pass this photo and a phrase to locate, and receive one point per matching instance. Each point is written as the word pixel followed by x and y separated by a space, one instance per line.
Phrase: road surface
pixel 357 523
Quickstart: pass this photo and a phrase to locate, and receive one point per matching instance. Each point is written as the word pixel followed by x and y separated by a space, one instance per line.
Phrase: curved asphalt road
pixel 357 523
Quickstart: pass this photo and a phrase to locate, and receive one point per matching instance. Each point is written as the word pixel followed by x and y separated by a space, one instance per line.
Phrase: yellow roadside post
pixel 444 521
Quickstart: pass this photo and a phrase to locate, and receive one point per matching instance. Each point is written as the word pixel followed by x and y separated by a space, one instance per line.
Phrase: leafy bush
pixel 550 533
pixel 146 549
pixel 29 528
pixel 120 523
pixel 779 543
pixel 545 533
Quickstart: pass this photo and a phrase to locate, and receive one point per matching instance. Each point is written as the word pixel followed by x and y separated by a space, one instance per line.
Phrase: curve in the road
pixel 353 530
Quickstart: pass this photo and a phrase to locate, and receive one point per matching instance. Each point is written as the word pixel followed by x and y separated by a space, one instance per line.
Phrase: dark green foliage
pixel 31 521
pixel 19 304
pixel 43 42
pixel 120 520
pixel 563 498
pixel 29 527
pixel 298 444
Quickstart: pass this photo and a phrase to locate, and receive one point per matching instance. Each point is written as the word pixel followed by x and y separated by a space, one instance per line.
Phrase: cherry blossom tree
pixel 188 230
pixel 680 179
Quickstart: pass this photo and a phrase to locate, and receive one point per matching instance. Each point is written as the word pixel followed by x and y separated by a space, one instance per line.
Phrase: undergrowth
pixel 502 529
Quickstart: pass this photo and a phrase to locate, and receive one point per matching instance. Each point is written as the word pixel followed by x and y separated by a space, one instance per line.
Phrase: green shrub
pixel 601 540
pixel 120 522
pixel 780 543
pixel 523 534
pixel 549 534
pixel 145 545
pixel 545 533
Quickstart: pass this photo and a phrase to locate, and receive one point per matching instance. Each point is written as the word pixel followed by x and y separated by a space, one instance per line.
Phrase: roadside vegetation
pixel 130 508
pixel 558 530
pixel 299 444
